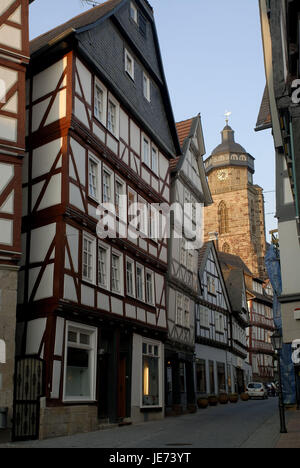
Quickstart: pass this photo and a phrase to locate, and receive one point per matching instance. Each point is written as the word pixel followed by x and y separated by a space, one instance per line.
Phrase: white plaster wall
pixel 73 240
pixel 124 126
pixel 59 336
pixel 135 137
pixel 69 289
pixel 46 81
pixel 6 232
pixel 41 239
pixel 290 257
pixel 87 296
pixel 35 333
pixel 56 379
pixel 79 153
pixel 43 158
pixel 75 197
pixel 86 81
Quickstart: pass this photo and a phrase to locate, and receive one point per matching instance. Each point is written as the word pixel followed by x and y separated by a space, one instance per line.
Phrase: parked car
pixel 257 390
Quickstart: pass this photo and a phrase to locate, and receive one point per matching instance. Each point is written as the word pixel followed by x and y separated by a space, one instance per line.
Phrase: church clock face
pixel 222 175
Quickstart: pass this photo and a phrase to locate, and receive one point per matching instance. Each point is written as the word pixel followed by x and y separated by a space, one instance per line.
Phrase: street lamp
pixel 277 342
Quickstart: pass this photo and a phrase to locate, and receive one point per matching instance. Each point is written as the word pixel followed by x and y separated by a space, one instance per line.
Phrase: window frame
pixel 128 57
pixel 93 332
pixel 146 139
pixel 147 88
pixel 107 170
pixel 107 248
pixel 134 18
pixel 132 263
pixel 94 160
pixel 86 236
pixel 151 273
pixel 98 84
pixel 138 265
pixel 155 149
pixel 113 100
pixel 118 254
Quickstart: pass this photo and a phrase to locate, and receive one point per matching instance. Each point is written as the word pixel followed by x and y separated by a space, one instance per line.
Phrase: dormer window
pixel 129 64
pixel 133 12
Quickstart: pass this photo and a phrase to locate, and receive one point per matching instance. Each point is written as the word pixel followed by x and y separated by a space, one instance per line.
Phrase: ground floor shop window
pixel 212 377
pixel 221 377
pixel 80 363
pixel 201 376
pixel 151 374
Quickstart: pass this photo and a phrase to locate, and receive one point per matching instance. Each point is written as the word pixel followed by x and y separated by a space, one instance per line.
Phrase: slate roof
pixel 78 22
pixel 264 120
pixel 228 144
pixel 234 280
pixel 234 261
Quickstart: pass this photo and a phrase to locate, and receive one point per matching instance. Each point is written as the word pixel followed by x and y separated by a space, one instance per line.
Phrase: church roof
pixel 228 144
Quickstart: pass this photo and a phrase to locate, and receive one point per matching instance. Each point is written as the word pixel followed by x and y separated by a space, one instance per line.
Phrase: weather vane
pixel 227 115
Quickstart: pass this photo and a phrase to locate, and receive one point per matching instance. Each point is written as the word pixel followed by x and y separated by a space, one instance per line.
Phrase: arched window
pixel 223 218
pixel 226 248
pixel 2 352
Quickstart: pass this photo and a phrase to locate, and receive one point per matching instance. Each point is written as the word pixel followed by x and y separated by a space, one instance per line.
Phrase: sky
pixel 213 60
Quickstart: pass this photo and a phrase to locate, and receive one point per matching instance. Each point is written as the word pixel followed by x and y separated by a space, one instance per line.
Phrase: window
pixel 149 288
pixel 153 222
pixel 146 151
pixel 187 312
pixel 80 367
pixel 143 217
pixel 201 376
pixel 223 218
pixel 183 254
pixel 129 64
pixel 146 87
pixel 130 278
pixel 133 12
pixel 88 254
pixel 113 116
pixel 179 310
pixel 100 102
pixel 151 374
pixel 220 327
pixel 154 161
pixel 103 266
pixel 94 178
pixel 107 186
pixel 140 283
pixel 211 285
pixel 204 318
pixel 119 193
pixel 142 25
pixel 116 272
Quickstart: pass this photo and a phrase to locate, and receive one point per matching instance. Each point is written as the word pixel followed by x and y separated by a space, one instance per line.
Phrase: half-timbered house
pixel 100 130
pixel 214 372
pixel 189 188
pixel 235 273
pixel 14 57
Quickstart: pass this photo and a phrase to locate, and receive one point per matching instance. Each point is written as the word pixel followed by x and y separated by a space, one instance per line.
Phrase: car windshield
pixel 255 385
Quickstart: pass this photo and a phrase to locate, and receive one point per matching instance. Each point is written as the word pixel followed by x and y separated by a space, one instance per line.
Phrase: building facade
pixel 101 131
pixel 280 111
pixel 237 214
pixel 261 352
pixel 14 57
pixel 188 187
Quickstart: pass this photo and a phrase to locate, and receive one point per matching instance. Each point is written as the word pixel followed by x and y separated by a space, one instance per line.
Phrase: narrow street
pixel 254 424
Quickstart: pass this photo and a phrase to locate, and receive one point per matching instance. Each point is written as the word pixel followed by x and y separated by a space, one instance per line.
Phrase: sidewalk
pixel 292 439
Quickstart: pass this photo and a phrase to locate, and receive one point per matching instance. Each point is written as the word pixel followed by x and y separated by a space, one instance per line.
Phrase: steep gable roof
pixel 235 284
pixel 264 120
pixel 234 261
pixel 80 21
pixel 184 129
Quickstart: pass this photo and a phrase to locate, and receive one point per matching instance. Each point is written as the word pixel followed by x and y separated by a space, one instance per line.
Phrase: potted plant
pixel 233 398
pixel 244 396
pixel 213 400
pixel 192 408
pixel 223 398
pixel 202 402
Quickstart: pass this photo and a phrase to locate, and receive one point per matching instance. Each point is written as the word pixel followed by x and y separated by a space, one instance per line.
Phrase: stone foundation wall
pixel 138 417
pixel 8 302
pixel 65 421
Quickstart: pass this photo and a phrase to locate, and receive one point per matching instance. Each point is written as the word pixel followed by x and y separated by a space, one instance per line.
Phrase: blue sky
pixel 213 59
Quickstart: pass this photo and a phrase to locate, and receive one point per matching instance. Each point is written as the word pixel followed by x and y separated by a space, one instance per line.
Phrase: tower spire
pixel 227 115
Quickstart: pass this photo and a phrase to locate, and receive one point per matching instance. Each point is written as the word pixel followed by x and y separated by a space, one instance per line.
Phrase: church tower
pixel 237 214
